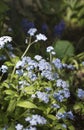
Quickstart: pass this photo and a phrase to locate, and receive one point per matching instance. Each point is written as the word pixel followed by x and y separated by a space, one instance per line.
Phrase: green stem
pixel 27 49
pixel 29 44
pixel 50 57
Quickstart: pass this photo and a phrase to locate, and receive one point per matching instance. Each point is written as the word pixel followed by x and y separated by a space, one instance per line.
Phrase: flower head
pixel 43 96
pixel 4 40
pixel 81 93
pixel 3 68
pixel 40 37
pixel 57 63
pixel 38 57
pixel 32 31
pixel 19 127
pixel 49 49
pixel 36 119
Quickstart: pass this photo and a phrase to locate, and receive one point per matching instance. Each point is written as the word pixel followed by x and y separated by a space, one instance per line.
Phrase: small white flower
pixel 38 57
pixel 49 49
pixel 32 31
pixel 53 53
pixel 4 68
pixel 19 127
pixel 3 40
pixel 40 37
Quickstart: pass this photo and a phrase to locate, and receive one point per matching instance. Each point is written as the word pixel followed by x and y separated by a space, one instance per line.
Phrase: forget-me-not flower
pixel 49 49
pixel 57 63
pixel 19 127
pixel 36 119
pixel 3 68
pixel 32 31
pixel 4 40
pixel 40 37
pixel 80 93
pixel 38 57
pixel 43 96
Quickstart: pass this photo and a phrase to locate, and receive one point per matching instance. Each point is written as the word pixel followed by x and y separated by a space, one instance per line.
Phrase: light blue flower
pixel 36 119
pixel 60 115
pixel 33 63
pixel 32 31
pixel 38 57
pixel 49 49
pixel 19 72
pixel 3 68
pixel 26 59
pixel 70 115
pixel 20 64
pixel 47 74
pixel 80 93
pixel 70 66
pixel 43 96
pixel 59 97
pixel 62 83
pixel 57 63
pixel 19 127
pixel 4 40
pixel 40 37
pixel 32 76
pixel 66 93
pixel 43 65
pixel 48 89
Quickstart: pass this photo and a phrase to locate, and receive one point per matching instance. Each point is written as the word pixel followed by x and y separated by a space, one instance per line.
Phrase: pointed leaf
pixel 26 104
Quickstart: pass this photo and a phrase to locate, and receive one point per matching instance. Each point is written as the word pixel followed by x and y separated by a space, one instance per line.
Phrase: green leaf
pixel 9 64
pixel 11 92
pixel 26 104
pixel 15 59
pixel 71 127
pixel 63 48
pixel 77 106
pixel 29 90
pixel 12 105
pixel 4 84
pixel 59 127
pixel 51 117
pixel 61 110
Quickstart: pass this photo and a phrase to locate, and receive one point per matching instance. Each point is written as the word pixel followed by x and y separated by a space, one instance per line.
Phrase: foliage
pixel 64 48
pixel 38 93
pixel 3 9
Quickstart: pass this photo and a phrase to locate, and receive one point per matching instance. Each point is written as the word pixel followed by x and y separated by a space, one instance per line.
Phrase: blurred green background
pixel 16 16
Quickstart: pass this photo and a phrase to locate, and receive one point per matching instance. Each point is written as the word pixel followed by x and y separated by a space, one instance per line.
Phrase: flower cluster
pixel 3 68
pixel 38 91
pixel 4 40
pixel 36 119
pixel 81 93
pixel 69 114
